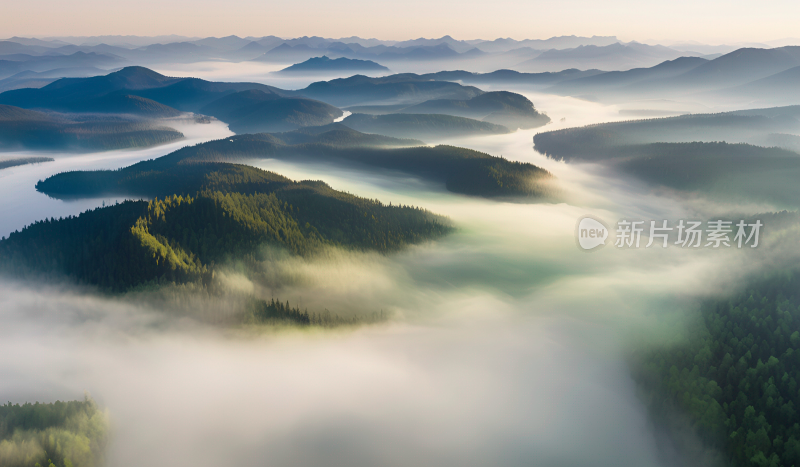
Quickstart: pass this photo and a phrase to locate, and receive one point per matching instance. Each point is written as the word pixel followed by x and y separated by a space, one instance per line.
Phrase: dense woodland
pixel 737 375
pixel 214 212
pixel 61 434
pixel 461 170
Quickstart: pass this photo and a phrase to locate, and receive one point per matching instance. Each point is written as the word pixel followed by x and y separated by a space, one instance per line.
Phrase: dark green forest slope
pixel 737 375
pixel 206 213
pixel 61 434
pixel 461 170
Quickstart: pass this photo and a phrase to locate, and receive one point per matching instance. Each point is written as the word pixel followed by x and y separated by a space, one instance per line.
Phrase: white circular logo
pixel 591 233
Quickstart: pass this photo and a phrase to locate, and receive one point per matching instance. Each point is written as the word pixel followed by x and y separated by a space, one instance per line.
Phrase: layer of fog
pixel 248 71
pixel 507 345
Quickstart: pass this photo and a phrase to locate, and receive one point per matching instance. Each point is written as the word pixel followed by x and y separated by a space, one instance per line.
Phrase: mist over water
pixel 17 184
pixel 507 344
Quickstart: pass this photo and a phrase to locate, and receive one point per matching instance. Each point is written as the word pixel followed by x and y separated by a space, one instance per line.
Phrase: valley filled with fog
pixel 500 343
pixel 507 339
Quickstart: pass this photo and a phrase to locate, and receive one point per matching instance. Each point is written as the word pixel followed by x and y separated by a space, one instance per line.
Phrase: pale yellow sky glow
pixel 710 21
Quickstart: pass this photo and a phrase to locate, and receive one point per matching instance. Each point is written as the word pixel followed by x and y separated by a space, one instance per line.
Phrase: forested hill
pixel 400 88
pixel 598 142
pixel 324 64
pixel 217 211
pixel 102 93
pixel 504 108
pixel 733 156
pixel 501 107
pixel 460 170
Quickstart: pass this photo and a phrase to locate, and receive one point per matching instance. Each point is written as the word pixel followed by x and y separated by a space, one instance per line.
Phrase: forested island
pixel 461 170
pixel 503 108
pixel 205 214
pixel 29 129
pixel 60 434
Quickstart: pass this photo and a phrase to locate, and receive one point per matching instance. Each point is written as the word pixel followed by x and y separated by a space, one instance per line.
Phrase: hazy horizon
pixel 711 21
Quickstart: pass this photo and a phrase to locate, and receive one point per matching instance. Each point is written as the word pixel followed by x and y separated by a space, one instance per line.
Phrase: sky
pixel 707 21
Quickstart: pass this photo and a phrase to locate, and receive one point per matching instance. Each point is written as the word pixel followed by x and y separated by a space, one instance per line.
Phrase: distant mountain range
pixel 38 79
pixel 178 49
pixel 767 76
pixel 235 42
pixel 547 55
pixel 246 107
pixel 12 64
pixel 753 76
pixel 617 56
pixel 749 76
pixel 252 107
